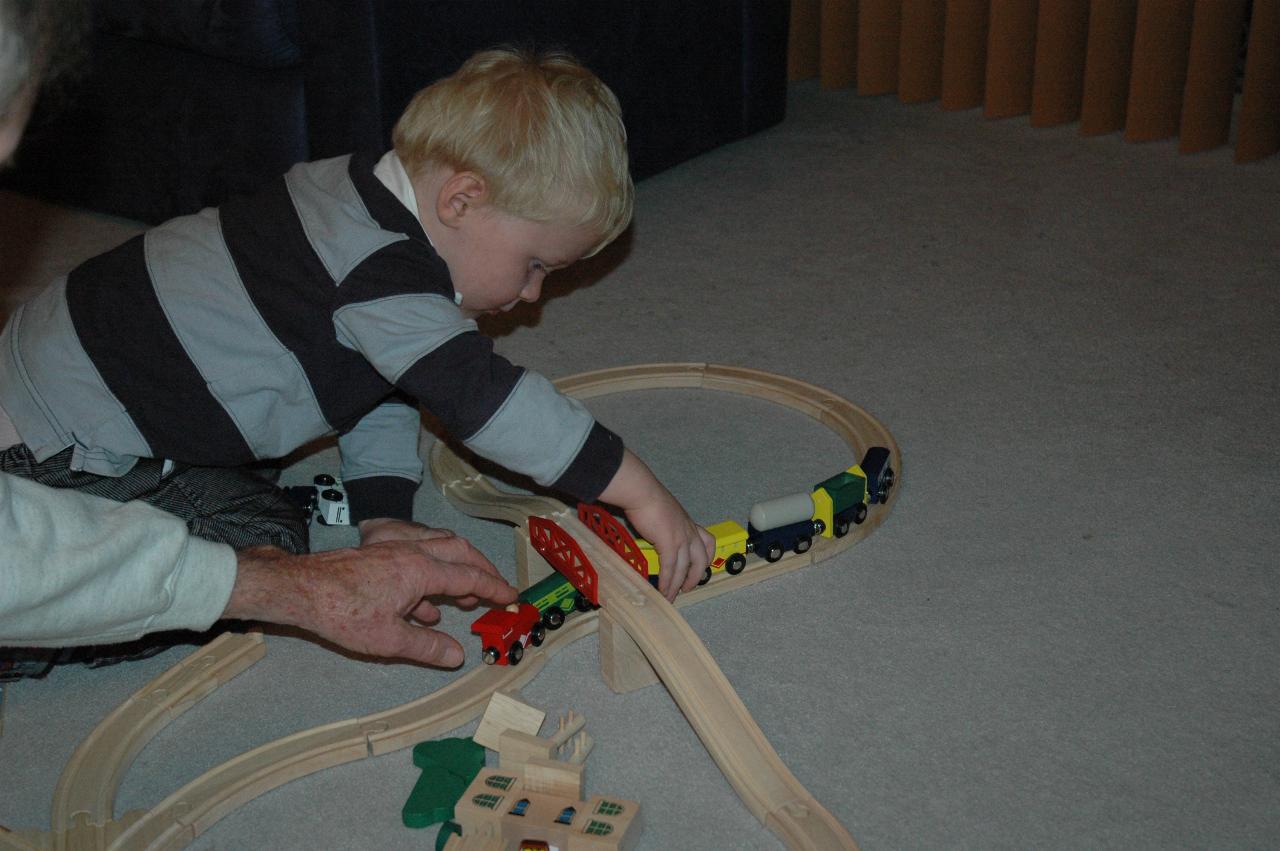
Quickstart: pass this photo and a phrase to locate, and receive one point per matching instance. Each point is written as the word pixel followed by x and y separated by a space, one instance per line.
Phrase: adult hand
pixel 371 600
pixel 379 529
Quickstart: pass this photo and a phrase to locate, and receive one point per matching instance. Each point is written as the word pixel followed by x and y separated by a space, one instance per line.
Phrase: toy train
pixel 504 633
pixel 790 522
pixel 774 526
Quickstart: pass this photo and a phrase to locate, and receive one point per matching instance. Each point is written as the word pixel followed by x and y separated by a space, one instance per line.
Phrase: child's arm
pixel 684 548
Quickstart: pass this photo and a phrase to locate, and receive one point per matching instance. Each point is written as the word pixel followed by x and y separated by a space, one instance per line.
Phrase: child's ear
pixel 460 193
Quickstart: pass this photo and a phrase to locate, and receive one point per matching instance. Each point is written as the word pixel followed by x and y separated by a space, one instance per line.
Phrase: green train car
pixel 843 498
pixel 555 597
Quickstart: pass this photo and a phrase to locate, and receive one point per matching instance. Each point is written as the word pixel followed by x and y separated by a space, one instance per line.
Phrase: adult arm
pixel 76 569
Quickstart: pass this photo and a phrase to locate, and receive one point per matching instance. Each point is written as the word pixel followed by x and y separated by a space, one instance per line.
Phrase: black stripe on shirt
pixel 594 467
pixel 404 267
pixel 462 383
pixel 294 294
pixel 387 210
pixel 123 328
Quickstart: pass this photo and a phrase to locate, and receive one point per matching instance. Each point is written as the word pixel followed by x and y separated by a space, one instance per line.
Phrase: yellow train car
pixel 730 555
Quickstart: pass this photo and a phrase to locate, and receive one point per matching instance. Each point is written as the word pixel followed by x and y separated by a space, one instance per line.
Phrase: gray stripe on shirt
pixel 383 443
pixel 343 234
pixel 258 380
pixel 396 332
pixel 44 351
pixel 537 431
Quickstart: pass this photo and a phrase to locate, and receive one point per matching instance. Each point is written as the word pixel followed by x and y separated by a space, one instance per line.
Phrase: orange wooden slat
pixel 1011 45
pixel 920 50
pixel 1216 32
pixel 1161 43
pixel 838 44
pixel 1058 84
pixel 879 25
pixel 964 54
pixel 1258 132
pixel 802 40
pixel 1106 66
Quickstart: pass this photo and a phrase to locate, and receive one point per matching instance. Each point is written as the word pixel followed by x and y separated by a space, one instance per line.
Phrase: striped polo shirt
pixel 242 332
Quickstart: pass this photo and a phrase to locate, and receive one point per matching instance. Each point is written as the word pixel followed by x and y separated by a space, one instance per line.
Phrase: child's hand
pixel 378 529
pixel 684 548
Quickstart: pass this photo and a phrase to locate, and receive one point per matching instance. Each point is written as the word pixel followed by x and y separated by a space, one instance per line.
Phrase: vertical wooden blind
pixel 1153 69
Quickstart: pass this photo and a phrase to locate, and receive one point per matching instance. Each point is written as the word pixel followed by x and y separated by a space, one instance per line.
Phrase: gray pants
pixel 231 505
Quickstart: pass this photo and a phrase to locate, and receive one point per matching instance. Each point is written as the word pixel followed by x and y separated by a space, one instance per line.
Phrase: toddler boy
pixel 337 300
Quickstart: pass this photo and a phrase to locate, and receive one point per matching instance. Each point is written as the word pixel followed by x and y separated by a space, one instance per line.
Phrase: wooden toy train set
pixel 602 574
pixel 775 526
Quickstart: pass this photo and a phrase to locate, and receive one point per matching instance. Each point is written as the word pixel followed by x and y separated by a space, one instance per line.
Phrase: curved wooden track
pixel 91 777
pixel 83 801
pixel 763 782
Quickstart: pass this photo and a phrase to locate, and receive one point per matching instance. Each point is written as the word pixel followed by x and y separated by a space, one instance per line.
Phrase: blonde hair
pixel 544 132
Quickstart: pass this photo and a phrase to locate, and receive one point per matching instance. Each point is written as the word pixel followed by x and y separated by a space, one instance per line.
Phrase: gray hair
pixel 38 38
pixel 17 48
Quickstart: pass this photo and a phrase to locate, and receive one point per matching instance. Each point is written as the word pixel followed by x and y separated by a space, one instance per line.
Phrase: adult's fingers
pixel 429 646
pixel 459 550
pixel 462 579
pixel 425 613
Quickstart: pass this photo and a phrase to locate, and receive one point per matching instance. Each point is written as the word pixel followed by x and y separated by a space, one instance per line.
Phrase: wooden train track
pixel 763 782
pixel 83 814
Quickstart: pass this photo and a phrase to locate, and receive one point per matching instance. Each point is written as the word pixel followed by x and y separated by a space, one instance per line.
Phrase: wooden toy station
pixel 642 638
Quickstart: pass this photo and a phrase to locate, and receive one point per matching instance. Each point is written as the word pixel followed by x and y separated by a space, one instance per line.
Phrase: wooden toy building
pixel 535 800
pixel 513 807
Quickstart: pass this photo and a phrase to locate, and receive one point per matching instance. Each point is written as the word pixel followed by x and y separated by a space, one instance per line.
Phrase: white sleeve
pixel 77 569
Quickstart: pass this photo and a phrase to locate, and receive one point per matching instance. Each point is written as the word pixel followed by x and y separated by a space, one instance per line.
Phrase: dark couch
pixel 183 103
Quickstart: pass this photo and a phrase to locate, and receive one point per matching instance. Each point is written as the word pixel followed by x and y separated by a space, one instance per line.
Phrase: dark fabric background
pixel 182 105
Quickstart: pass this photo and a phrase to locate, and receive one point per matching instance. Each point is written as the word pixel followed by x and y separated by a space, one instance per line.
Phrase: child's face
pixel 498 260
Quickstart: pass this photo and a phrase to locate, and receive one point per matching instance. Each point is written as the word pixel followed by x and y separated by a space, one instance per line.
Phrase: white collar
pixel 392 173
